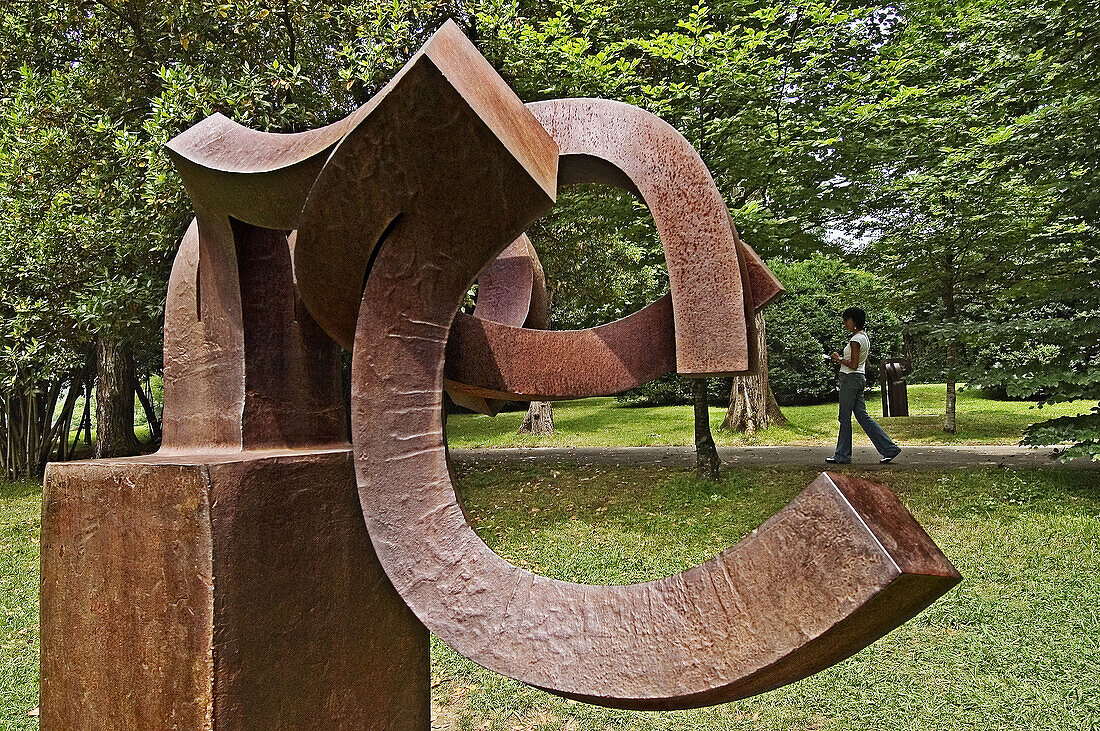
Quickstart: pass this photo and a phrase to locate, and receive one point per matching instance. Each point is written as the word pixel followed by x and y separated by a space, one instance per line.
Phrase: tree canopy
pixel 947 146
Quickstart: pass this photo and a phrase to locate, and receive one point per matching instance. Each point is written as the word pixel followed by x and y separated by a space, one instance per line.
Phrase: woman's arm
pixel 855 356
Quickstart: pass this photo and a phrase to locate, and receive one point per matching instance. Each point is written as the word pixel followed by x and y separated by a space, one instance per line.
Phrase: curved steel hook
pixel 418 196
pixel 838 567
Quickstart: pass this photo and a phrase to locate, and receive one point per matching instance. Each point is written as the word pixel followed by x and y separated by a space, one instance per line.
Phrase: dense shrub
pixel 805 323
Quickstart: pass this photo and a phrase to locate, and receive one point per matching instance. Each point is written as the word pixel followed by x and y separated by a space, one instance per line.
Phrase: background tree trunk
pixel 539 420
pixel 65 421
pixel 150 411
pixel 114 400
pixel 949 425
pixel 27 426
pixel 86 417
pixel 707 464
pixel 752 404
pixel 952 345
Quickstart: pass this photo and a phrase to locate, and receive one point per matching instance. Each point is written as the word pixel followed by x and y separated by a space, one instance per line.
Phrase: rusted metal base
pixel 221 591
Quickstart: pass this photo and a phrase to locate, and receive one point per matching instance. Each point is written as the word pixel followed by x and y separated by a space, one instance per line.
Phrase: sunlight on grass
pixel 607 422
pixel 20 509
pixel 1015 646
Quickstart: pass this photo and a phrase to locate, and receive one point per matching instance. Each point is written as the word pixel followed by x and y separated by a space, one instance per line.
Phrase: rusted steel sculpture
pixel 712 287
pixel 895 396
pixel 511 291
pixel 235 579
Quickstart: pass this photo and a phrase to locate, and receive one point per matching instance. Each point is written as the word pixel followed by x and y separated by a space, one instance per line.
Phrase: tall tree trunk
pixel 949 408
pixel 65 421
pixel 539 420
pixel 86 417
pixel 29 428
pixel 114 400
pixel 752 404
pixel 707 464
pixel 952 344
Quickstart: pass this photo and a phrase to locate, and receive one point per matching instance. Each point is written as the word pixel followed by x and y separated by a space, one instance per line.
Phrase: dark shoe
pixel 834 460
pixel 888 460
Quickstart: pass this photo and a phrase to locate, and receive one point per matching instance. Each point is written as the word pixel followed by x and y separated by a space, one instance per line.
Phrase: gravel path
pixel 863 456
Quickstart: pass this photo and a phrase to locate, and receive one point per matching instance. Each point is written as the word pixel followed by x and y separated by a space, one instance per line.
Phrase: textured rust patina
pixel 814 584
pixel 895 396
pixel 259 572
pixel 510 292
pixel 717 281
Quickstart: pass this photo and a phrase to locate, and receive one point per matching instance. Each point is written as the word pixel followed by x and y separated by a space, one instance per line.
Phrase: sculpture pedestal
pixel 221 590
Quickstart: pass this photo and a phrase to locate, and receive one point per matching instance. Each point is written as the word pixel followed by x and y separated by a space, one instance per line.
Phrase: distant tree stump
pixel 752 404
pixel 539 420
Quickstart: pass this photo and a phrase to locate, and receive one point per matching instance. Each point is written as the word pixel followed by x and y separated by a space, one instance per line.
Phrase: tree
pixel 752 405
pixel 539 419
pixel 93 89
pixel 1048 323
pixel 707 464
pixel 721 73
pixel 806 322
pixel 987 201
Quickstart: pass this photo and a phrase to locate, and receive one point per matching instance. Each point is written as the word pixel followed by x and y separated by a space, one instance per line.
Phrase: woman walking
pixel 853 380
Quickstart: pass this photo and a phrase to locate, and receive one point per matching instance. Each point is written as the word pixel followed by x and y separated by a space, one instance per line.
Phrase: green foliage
pixel 92 95
pixel 601 256
pixel 805 323
pixel 953 141
pixel 765 91
pixel 987 206
pixel 93 211
pixel 672 390
pixel 1082 430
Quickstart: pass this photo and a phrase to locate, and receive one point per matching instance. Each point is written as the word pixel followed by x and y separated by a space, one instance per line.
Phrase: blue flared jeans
pixel 851 402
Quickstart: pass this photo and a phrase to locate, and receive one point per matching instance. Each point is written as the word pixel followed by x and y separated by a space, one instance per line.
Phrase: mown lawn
pixel 1015 646
pixel 20 518
pixel 607 422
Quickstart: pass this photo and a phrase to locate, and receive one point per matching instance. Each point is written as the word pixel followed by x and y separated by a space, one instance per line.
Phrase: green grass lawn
pixel 20 518
pixel 1015 646
pixel 607 422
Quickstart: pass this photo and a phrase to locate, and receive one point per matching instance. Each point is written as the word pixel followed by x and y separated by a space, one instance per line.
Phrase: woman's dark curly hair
pixel 856 315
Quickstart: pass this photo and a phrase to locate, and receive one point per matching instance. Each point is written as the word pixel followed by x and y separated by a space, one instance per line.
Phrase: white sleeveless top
pixel 864 342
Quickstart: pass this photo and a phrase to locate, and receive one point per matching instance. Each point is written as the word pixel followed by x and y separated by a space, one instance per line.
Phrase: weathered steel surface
pixel 222 583
pixel 245 365
pixel 604 141
pixel 406 171
pixel 543 365
pixel 233 580
pixel 713 274
pixel 511 291
pixel 895 396
pixel 229 591
pixel 765 286
pixel 127 598
pixel 840 566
